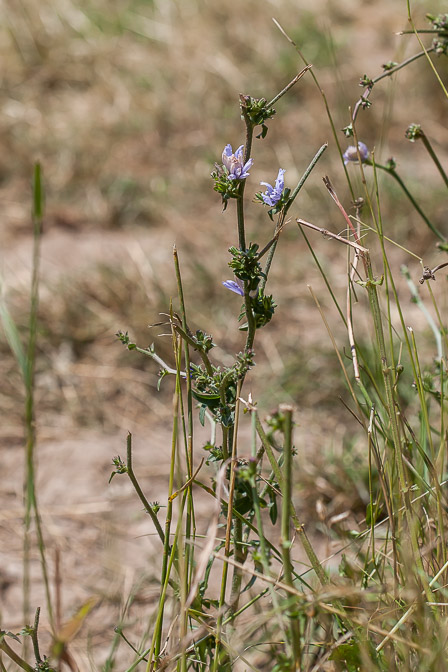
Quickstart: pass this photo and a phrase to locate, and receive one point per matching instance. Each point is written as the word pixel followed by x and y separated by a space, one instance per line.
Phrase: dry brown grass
pixel 127 105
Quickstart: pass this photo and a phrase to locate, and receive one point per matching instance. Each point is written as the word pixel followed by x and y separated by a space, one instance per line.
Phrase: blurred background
pixel 128 104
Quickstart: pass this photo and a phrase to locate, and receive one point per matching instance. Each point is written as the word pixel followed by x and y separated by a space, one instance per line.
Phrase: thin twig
pixel 289 86
pixel 330 234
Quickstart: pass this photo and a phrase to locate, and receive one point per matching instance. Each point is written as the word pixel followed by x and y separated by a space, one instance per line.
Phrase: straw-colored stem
pixel 169 508
pixel 392 413
pixel 190 529
pixel 306 544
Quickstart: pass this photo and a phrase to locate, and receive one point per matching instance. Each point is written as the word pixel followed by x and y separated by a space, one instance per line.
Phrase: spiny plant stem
pixel 34 636
pixel 251 327
pixel 237 537
pixel 247 151
pixel 241 225
pixel 240 556
pixel 260 531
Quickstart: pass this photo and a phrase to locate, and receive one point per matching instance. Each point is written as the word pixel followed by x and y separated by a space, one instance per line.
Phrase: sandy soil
pixel 123 111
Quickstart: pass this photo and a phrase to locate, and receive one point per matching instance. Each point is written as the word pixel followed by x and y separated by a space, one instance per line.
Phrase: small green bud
pixel 414 132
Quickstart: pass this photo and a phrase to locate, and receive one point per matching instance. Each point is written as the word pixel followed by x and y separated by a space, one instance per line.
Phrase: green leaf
pixel 5 633
pixel 349 654
pixel 209 400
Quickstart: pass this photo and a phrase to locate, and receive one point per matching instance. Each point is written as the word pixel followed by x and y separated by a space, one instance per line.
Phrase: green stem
pixel 187 361
pixel 30 420
pixel 247 151
pixel 190 341
pixel 259 527
pixel 386 73
pixel 225 568
pixel 169 510
pixel 305 176
pixel 225 442
pixel 434 157
pixel 15 657
pixel 240 556
pixel 34 636
pixel 392 413
pixel 307 547
pixel 241 227
pixel 189 522
pixel 251 326
pixel 285 537
pixel 425 51
pixel 159 620
pixel 138 490
pixel 395 175
pixel 288 86
pixel 421 31
pixel 240 218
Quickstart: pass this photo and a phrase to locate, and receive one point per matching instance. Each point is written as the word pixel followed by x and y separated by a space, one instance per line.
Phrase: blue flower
pixel 351 153
pixel 236 287
pixel 234 163
pixel 272 195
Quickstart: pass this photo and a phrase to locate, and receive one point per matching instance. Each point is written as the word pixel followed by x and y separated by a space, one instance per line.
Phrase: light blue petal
pixel 280 182
pixel 239 152
pixel 234 287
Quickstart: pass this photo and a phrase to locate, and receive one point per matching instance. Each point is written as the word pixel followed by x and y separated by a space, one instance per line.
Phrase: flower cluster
pixel 440 24
pixel 272 195
pixel 275 196
pixel 230 173
pixel 414 132
pixel 234 163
